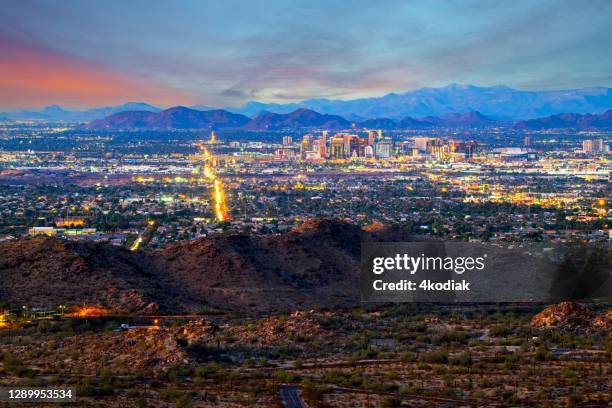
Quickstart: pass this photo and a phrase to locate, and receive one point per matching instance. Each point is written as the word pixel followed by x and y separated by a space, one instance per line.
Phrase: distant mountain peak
pixel 177 117
pixel 570 120
pixel 53 109
pixel 499 101
pixel 183 118
pixel 299 118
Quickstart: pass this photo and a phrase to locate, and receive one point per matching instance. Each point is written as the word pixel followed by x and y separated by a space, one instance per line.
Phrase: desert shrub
pixel 435 357
pixel 391 402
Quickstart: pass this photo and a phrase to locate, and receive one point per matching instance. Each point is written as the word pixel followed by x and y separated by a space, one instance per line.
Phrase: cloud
pixel 233 93
pixel 33 75
pixel 225 53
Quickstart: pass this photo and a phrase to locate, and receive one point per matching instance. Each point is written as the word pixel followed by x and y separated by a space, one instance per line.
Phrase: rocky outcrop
pixel 572 316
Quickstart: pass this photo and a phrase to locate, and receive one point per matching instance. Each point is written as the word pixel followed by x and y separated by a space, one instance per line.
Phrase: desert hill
pixel 316 264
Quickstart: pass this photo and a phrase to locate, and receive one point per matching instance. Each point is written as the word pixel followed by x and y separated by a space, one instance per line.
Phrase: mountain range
pixel 299 118
pixel 182 118
pixel 178 117
pixel 57 113
pixel 570 120
pixel 496 102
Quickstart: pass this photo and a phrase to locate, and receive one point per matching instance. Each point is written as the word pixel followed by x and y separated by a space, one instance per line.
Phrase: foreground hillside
pixel 313 265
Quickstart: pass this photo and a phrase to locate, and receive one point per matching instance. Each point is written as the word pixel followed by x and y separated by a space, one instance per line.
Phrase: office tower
pixel 383 149
pixel 323 145
pixel 337 147
pixel 287 140
pixel 306 145
pixel 593 146
pixel 371 138
pixel 322 148
pixel 421 143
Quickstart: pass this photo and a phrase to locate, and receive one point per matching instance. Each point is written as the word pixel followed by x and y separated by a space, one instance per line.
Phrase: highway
pixel 290 397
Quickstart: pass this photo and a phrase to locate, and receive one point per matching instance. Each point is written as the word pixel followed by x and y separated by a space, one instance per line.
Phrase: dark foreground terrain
pixel 314 265
pixel 270 320
pixel 410 355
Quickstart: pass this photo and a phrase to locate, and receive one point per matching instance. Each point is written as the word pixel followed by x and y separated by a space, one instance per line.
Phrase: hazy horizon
pixel 135 100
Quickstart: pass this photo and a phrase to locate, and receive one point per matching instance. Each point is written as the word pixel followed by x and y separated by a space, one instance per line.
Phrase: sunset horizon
pixel 71 59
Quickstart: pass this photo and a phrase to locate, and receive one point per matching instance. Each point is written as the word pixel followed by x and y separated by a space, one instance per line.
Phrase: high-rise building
pixel 323 145
pixel 593 146
pixel 470 148
pixel 527 141
pixel 287 140
pixel 307 145
pixel 336 147
pixel 421 142
pixel 371 138
pixel 384 148
pixel 351 145
pixel 284 154
pixel 451 149
pixel 213 138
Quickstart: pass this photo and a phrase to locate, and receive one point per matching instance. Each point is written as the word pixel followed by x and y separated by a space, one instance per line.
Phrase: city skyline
pixel 306 203
pixel 85 55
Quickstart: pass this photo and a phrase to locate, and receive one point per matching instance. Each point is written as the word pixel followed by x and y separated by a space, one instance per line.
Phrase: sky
pixel 87 53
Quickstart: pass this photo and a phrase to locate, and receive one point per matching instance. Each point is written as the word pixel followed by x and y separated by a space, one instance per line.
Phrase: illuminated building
pixel 213 138
pixel 322 148
pixel 527 141
pixel 70 222
pixel 450 149
pixel 307 145
pixel 469 149
pixel 421 142
pixel 284 154
pixel 384 148
pixel 371 138
pixel 314 155
pixel 224 160
pixel 323 145
pixel 287 140
pixel 336 146
pixel 593 146
pixel 513 154
pixel 48 231
pixel 51 231
pixel 404 147
pixel 351 145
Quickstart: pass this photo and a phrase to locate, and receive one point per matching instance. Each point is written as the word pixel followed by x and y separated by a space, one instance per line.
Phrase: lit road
pixel 218 193
pixel 290 397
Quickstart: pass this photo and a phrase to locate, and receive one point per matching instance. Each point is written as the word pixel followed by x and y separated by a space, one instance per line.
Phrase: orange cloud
pixel 32 75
